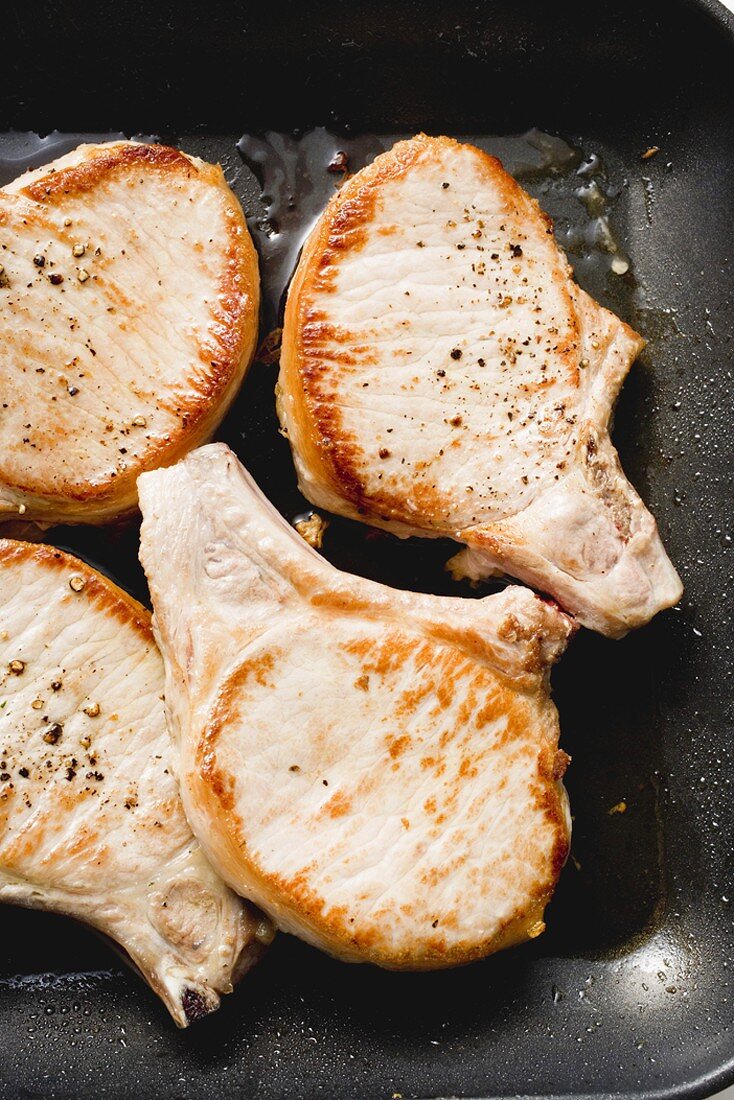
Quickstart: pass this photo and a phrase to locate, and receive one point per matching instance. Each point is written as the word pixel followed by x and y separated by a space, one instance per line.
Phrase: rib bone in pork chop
pixel 443 375
pixel 128 314
pixel 91 823
pixel 378 770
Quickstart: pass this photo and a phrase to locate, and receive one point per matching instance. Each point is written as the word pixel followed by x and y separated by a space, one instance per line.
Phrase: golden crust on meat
pixel 443 375
pixel 448 759
pixel 99 590
pixel 377 770
pixel 52 467
pixel 326 444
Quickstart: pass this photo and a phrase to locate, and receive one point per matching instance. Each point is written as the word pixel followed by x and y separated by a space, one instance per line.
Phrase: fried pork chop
pixel 442 375
pixel 378 770
pixel 128 314
pixel 91 823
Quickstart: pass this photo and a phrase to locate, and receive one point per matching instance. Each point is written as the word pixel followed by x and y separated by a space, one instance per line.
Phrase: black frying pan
pixel 629 992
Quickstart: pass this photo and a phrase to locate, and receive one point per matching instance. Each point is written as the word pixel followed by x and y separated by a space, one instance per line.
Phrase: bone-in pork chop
pixel 442 375
pixel 91 823
pixel 128 314
pixel 378 770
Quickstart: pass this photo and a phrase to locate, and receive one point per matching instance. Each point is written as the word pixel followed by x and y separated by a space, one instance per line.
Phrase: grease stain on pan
pixel 298 173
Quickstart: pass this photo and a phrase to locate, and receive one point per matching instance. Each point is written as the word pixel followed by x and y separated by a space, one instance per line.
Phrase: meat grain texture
pixel 91 823
pixel 442 375
pixel 129 299
pixel 378 770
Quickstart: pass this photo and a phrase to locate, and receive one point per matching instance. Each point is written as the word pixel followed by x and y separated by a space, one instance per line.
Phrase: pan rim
pixel 717 11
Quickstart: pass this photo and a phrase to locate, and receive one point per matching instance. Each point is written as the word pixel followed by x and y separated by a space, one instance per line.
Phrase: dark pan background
pixel 630 990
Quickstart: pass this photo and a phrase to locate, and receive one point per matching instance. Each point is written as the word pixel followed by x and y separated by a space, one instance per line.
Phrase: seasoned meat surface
pixel 442 375
pixel 128 315
pixel 91 823
pixel 377 770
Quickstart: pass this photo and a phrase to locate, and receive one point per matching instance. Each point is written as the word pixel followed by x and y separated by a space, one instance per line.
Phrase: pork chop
pixel 128 315
pixel 378 770
pixel 91 823
pixel 442 375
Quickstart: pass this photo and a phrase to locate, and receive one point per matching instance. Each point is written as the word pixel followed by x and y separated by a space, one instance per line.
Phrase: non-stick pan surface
pixel 630 990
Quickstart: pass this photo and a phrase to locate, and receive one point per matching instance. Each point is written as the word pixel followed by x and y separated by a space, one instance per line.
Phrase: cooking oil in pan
pixel 284 181
pixel 297 175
